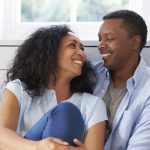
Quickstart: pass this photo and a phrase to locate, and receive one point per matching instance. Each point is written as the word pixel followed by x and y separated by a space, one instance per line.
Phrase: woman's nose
pixel 81 53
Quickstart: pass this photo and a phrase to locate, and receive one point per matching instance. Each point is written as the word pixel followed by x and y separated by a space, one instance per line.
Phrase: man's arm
pixel 140 139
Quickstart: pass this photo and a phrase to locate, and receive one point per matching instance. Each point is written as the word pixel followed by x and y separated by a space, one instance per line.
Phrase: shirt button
pixel 103 91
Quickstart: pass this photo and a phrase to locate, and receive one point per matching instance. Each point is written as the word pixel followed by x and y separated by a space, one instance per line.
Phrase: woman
pixel 46 104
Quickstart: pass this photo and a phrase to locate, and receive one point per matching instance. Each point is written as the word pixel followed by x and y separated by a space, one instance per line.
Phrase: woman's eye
pixel 72 45
pixel 82 48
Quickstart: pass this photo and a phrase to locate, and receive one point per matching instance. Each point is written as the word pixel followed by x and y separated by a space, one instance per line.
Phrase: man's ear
pixel 136 42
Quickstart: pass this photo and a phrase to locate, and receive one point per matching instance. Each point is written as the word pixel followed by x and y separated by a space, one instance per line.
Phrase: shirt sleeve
pixel 15 87
pixel 97 113
pixel 140 138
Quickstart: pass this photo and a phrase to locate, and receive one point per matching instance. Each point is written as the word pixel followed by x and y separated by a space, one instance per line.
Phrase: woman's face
pixel 70 57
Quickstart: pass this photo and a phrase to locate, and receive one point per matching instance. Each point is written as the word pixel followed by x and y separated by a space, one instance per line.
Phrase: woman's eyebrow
pixel 81 44
pixel 73 40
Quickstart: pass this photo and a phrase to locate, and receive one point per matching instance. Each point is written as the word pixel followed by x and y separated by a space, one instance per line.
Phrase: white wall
pixel 7 53
pixel 142 7
pixel 9 29
pixel 12 29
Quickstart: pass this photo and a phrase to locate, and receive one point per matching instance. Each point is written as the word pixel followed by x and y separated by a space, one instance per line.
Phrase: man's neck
pixel 120 77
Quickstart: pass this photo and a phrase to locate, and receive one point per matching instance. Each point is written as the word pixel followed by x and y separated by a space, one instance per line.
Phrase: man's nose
pixel 101 45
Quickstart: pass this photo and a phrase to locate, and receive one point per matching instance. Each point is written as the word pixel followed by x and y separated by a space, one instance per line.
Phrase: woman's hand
pixel 52 144
pixel 79 145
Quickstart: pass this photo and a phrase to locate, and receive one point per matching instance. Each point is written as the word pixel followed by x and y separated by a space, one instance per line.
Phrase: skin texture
pixel 119 50
pixel 71 50
pixel 70 61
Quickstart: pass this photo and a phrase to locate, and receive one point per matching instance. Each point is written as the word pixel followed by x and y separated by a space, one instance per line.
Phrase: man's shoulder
pixel 98 66
pixel 147 70
pixel 145 75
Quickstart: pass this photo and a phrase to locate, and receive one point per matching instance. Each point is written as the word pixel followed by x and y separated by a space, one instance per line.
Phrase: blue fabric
pixel 131 123
pixel 92 108
pixel 64 121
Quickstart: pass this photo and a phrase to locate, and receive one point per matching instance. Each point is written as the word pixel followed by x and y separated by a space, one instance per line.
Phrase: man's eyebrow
pixel 106 34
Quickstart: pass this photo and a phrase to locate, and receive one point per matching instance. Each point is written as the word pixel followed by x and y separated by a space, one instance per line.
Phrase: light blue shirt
pixel 131 124
pixel 92 108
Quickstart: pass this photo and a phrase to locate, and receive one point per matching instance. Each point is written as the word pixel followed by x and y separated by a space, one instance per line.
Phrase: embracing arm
pixel 9 139
pixel 9 113
pixel 95 135
pixel 140 138
pixel 95 127
pixel 94 138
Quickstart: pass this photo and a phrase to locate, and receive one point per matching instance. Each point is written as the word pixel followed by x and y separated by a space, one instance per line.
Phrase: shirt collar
pixel 107 74
pixel 134 80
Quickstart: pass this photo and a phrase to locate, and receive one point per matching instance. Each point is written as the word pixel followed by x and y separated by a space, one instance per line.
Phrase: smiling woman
pixel 71 56
pixel 49 95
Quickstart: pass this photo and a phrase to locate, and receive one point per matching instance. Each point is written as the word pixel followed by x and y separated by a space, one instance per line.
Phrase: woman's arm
pixel 9 113
pixel 94 138
pixel 95 134
pixel 9 139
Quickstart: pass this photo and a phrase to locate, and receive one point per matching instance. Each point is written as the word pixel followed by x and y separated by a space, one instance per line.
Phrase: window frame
pixel 12 30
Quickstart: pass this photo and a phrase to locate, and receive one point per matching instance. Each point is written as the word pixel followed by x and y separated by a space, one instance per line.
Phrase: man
pixel 124 80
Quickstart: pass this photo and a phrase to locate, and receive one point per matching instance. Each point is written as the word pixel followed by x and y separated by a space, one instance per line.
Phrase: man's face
pixel 115 44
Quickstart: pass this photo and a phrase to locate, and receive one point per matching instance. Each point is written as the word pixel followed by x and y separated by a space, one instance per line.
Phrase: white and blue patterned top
pixel 92 108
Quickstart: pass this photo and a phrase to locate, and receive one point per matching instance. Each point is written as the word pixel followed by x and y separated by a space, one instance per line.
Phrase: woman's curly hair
pixel 36 61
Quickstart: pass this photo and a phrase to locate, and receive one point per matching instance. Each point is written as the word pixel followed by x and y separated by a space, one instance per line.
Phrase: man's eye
pixel 110 39
pixel 99 39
